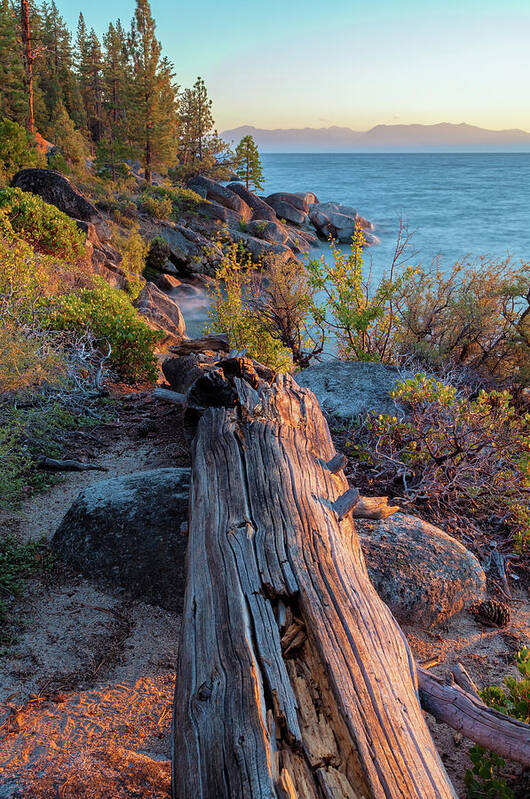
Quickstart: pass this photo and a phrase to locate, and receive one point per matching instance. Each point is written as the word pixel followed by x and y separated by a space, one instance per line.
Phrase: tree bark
pixel 465 712
pixel 293 679
pixel 28 62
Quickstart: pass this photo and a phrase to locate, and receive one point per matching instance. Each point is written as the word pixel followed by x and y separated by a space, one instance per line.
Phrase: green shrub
pixel 462 457
pixel 181 198
pixel 108 314
pixel 485 778
pixel 132 248
pixel 17 150
pixel 233 294
pixel 364 322
pixel 159 209
pixel 158 255
pixel 42 225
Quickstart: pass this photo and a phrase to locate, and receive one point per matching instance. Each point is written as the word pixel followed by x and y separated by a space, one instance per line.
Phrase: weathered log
pixel 54 465
pixel 465 712
pixel 217 343
pixel 293 679
pixel 168 395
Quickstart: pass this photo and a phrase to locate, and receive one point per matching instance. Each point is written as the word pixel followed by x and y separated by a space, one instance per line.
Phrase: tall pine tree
pixel 153 107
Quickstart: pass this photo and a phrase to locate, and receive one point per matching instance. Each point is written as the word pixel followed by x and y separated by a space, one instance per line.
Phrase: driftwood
pixel 293 679
pixel 168 395
pixel 69 466
pixel 464 711
pixel 218 343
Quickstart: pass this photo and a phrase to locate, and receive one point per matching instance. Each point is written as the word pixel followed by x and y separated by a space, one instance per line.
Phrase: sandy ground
pixel 86 692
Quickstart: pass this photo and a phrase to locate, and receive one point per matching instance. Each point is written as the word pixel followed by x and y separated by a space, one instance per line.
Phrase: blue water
pixel 457 204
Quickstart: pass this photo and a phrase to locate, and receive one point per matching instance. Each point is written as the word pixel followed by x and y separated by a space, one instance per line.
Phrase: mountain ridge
pixel 439 137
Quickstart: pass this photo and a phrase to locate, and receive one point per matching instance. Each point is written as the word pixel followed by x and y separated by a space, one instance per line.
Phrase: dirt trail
pixel 86 692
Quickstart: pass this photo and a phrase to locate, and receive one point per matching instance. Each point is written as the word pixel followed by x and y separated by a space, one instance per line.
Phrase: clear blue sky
pixel 288 63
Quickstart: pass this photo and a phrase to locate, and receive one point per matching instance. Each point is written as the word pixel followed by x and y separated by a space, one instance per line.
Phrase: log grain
pixel 293 678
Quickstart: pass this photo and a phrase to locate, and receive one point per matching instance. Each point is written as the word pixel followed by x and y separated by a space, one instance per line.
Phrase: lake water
pixel 456 204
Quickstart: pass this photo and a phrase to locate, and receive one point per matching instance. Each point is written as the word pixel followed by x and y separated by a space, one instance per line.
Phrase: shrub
pixel 459 456
pixel 476 314
pixel 234 292
pixel 132 248
pixel 42 225
pixel 17 149
pixel 158 255
pixel 284 305
pixel 181 198
pixel 157 208
pixel 486 777
pixel 364 323
pixel 111 319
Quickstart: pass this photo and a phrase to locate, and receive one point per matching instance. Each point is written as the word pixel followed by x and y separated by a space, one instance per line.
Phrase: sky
pixel 288 63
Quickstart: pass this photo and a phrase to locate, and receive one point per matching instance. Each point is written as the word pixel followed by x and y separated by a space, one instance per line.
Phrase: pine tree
pixel 28 63
pixel 115 146
pixel 153 97
pixel 201 150
pixel 56 77
pixel 248 163
pixel 13 99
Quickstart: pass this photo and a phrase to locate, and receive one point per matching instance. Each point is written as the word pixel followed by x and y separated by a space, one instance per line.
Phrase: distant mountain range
pixel 444 137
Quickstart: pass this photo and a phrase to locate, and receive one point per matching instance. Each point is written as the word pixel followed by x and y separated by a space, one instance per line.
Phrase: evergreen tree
pixel 56 77
pixel 153 105
pixel 115 146
pixel 248 163
pixel 13 100
pixel 201 150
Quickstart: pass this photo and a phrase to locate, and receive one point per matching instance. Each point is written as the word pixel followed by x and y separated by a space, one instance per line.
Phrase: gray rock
pixel 339 221
pixel 191 252
pixel 286 210
pixel 298 201
pixel 161 312
pixel 259 249
pixel 126 532
pixel 274 232
pixel 212 212
pixel 422 574
pixel 260 209
pixel 57 190
pixel 223 195
pixel 166 282
pixel 347 390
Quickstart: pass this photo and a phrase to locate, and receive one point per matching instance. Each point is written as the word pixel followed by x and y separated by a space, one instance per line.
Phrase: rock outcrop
pixel 211 190
pixel 127 532
pixel 57 190
pixel 260 209
pixel 161 313
pixel 190 251
pixel 347 390
pixel 293 208
pixel 339 222
pixel 422 574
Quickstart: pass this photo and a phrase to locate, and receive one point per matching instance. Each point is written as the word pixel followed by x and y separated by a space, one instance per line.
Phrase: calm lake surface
pixel 456 204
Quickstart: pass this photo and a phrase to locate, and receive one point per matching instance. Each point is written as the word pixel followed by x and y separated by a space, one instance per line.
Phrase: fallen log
pixel 293 678
pixel 69 465
pixel 464 711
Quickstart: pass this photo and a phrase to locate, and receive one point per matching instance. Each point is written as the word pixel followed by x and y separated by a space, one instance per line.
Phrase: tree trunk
pixel 28 62
pixel 294 679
